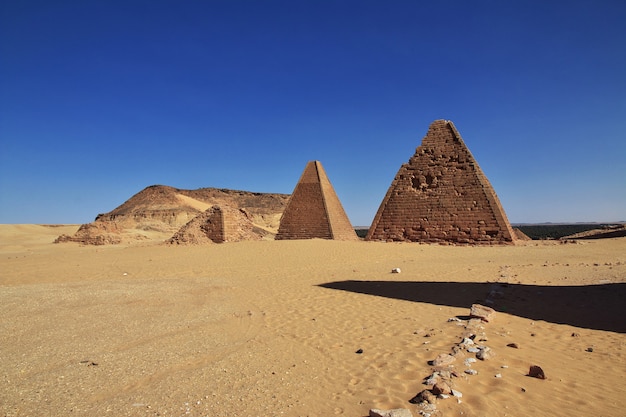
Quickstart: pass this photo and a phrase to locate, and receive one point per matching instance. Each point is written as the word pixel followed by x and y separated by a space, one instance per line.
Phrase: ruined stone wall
pixel 441 195
pixel 213 227
pixel 238 225
pixel 218 224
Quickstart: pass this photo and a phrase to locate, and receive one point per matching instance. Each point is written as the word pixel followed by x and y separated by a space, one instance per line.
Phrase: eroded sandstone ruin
pixel 441 195
pixel 218 225
pixel 158 212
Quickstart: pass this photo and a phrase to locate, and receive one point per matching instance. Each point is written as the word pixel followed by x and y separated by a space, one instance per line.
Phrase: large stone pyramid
pixel 441 195
pixel 314 210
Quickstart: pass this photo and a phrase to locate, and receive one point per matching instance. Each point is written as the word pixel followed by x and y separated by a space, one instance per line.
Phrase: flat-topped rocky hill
pixel 159 211
pixel 608 231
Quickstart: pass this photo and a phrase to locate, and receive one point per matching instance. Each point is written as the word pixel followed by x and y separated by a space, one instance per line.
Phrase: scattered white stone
pixel 467 341
pixel 396 271
pixel 454 319
pixel 485 353
pixel 457 394
pixel 473 350
pixel 431 381
pixel 498 375
pixel 471 371
pixel 396 412
pixel 469 361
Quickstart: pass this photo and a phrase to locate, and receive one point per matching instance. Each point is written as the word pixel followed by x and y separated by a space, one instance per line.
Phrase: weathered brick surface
pixel 214 226
pixel 441 195
pixel 314 210
pixel 218 224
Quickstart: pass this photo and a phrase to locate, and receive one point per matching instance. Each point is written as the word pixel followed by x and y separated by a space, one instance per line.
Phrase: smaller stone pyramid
pixel 314 210
pixel 218 224
pixel 441 195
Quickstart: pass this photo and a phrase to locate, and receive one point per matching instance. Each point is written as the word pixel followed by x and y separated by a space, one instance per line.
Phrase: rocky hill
pixel 608 231
pixel 158 212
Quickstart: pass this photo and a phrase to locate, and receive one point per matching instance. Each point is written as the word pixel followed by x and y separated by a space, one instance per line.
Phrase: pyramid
pixel 314 210
pixel 441 195
pixel 218 224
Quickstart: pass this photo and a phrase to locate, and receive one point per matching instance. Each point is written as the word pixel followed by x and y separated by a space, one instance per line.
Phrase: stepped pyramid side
pixel 314 210
pixel 441 195
pixel 340 226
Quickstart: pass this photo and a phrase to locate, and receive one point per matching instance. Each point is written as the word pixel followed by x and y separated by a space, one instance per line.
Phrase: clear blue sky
pixel 99 99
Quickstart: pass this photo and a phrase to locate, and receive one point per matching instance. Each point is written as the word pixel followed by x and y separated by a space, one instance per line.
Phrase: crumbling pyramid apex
pixel 441 195
pixel 314 210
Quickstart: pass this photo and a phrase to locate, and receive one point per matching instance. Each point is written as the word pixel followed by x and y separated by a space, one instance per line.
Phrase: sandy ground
pixel 272 328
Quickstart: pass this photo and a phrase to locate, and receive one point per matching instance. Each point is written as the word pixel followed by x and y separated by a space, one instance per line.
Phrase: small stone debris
pixel 89 363
pixel 467 342
pixel 427 409
pixel 440 382
pixel 396 412
pixel 513 345
pixel 575 334
pixel 482 312
pixel 536 372
pixel 443 359
pixel 441 388
pixel 589 349
pixel 359 351
pixel 469 361
pixel 396 271
pixel 432 379
pixel 423 396
pixel 475 323
pixel 485 353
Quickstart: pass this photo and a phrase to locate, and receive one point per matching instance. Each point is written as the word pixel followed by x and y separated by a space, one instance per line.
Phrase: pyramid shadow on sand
pixel 598 307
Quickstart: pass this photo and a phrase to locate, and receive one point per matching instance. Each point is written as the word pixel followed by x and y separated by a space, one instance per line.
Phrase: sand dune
pixel 192 202
pixel 272 327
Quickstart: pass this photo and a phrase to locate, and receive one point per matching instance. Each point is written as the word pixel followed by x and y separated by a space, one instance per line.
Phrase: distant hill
pixel 568 230
pixel 159 211
pixel 608 231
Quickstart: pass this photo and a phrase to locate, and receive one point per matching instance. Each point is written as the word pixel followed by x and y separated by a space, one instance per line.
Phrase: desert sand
pixel 271 328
